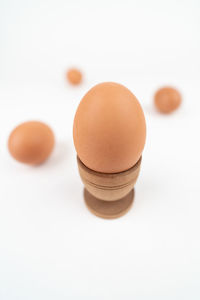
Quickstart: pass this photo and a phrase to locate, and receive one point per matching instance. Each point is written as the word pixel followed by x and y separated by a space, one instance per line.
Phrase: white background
pixel 51 247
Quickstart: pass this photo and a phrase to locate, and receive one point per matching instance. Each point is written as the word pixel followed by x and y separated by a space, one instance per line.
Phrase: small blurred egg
pixel 167 99
pixel 74 76
pixel 31 142
pixel 109 128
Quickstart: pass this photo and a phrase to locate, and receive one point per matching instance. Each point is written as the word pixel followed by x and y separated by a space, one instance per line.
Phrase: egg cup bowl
pixel 109 195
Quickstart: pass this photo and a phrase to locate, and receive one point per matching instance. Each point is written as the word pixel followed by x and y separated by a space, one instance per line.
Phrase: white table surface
pixel 51 246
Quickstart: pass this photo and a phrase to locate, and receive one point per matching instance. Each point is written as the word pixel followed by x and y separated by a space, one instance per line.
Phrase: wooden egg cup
pixel 111 195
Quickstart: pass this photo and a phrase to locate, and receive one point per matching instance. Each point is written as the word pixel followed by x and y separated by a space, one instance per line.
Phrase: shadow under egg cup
pixel 109 195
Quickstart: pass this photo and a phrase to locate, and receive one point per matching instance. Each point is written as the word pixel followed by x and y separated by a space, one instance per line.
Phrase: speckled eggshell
pixel 109 128
pixel 31 142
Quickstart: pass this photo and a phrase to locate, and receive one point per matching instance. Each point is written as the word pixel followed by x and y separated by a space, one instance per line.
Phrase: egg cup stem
pixel 109 209
pixel 109 195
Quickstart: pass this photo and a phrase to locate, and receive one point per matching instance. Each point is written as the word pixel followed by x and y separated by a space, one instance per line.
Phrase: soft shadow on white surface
pixel 60 153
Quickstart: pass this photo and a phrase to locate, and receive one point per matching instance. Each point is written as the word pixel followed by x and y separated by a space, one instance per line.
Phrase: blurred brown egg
pixel 167 99
pixel 74 76
pixel 109 128
pixel 31 142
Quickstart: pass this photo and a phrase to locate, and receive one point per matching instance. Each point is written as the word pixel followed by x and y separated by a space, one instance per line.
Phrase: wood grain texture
pixel 109 187
pixel 109 209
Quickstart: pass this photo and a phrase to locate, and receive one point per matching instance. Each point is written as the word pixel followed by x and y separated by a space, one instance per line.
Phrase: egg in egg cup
pixel 109 135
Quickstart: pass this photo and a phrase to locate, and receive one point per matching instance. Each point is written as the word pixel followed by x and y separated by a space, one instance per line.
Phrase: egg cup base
pixel 109 209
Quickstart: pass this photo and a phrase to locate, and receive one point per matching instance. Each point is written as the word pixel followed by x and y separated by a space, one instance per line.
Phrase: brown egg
pixel 167 99
pixel 74 76
pixel 31 142
pixel 109 128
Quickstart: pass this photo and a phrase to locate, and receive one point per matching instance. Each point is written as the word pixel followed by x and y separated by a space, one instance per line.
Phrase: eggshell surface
pixel 74 76
pixel 31 142
pixel 109 128
pixel 167 99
